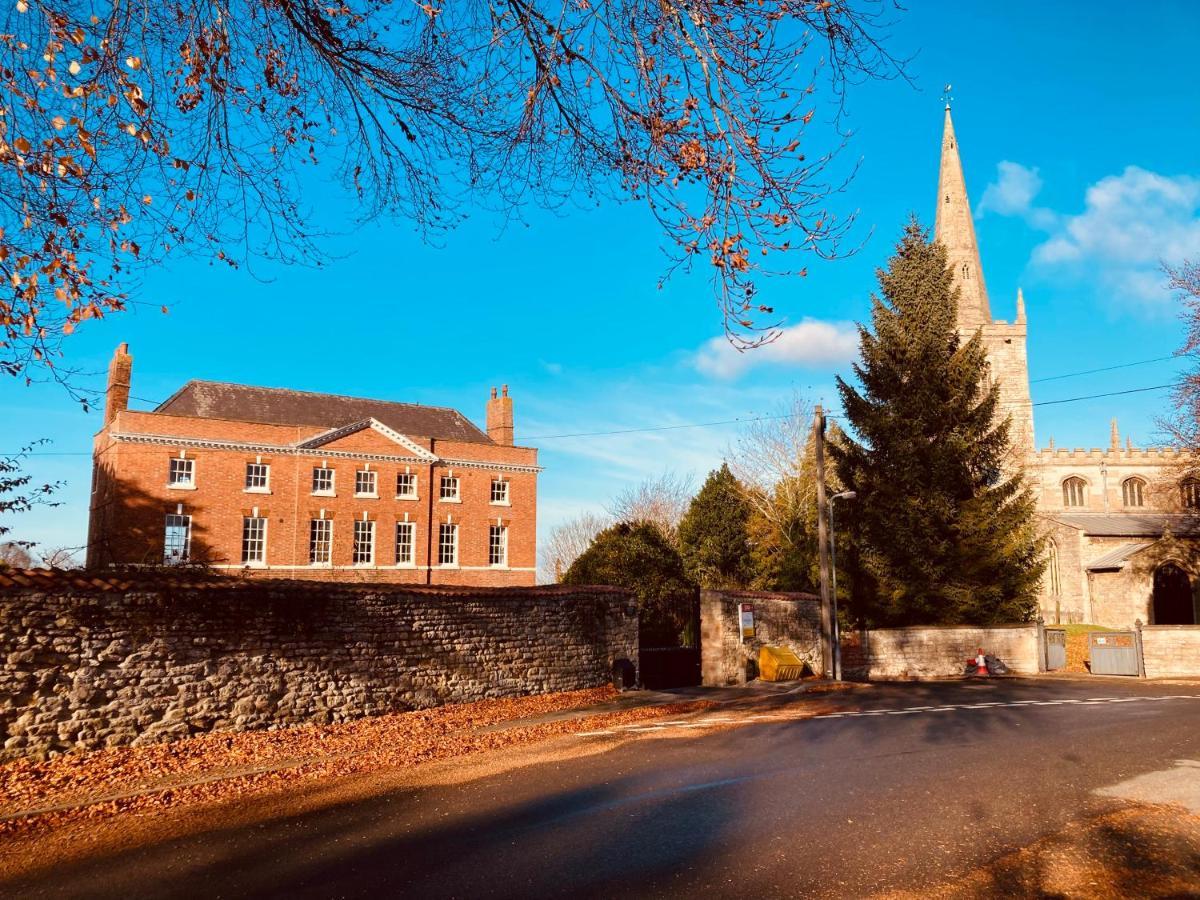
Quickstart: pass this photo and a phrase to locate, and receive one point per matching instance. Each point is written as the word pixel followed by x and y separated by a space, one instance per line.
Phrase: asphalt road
pixel 902 794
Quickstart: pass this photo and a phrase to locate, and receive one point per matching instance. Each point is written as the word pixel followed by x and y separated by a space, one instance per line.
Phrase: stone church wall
pixel 88 666
pixel 1171 651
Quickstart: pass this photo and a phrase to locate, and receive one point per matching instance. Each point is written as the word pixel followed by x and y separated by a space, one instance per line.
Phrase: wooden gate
pixel 1114 653
pixel 1055 648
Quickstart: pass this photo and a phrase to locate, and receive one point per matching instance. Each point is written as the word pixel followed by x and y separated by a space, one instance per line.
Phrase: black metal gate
pixel 669 667
pixel 677 665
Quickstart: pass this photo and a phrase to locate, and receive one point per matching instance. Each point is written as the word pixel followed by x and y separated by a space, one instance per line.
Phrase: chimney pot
pixel 500 418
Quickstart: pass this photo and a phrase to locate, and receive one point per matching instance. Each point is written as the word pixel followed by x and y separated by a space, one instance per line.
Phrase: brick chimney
pixel 120 372
pixel 500 417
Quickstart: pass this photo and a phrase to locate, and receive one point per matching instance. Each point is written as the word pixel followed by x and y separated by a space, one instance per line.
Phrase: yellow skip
pixel 779 664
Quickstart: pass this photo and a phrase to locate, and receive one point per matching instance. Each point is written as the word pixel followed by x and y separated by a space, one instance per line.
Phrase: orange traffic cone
pixel 981 663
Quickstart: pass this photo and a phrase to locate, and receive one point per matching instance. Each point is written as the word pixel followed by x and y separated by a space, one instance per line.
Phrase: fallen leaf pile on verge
pixel 1077 653
pixel 220 766
pixel 1139 851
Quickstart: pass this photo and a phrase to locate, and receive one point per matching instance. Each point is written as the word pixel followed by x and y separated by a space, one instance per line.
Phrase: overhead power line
pixel 551 437
pixel 738 421
pixel 1130 365
pixel 1157 387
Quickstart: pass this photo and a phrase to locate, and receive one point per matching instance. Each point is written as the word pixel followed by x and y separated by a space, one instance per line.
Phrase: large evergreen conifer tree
pixel 944 530
pixel 713 539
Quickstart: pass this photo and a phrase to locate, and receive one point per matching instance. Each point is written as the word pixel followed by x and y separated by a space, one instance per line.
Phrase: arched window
pixel 1074 491
pixel 1052 570
pixel 1190 489
pixel 966 270
pixel 1133 492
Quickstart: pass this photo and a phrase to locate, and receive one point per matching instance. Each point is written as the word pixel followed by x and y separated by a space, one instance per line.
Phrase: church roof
pixel 280 406
pixel 1117 557
pixel 1131 524
pixel 954 229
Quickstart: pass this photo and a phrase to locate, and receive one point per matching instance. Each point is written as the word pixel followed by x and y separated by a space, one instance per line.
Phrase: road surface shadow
pixel 395 844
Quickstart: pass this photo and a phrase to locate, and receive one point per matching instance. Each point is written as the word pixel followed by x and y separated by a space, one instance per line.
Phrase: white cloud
pixel 1012 193
pixel 1131 223
pixel 809 343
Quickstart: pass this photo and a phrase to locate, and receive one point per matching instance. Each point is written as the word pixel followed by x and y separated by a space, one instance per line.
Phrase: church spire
pixel 955 229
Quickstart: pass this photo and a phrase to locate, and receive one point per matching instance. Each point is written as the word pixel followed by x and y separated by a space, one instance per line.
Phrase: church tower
pixel 954 229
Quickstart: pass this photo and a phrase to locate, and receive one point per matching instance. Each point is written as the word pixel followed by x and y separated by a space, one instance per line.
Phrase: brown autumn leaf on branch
pixel 129 131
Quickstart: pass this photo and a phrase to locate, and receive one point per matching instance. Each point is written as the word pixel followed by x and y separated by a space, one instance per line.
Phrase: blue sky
pixel 1079 136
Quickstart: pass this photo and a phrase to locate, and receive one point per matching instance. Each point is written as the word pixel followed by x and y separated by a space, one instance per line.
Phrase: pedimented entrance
pixel 1173 603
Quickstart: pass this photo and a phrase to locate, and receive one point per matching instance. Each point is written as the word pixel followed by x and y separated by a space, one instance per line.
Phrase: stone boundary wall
pixel 1171 651
pixel 86 664
pixel 780 620
pixel 942 651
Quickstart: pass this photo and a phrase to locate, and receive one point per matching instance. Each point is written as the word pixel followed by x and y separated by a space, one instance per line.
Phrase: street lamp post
pixel 837 636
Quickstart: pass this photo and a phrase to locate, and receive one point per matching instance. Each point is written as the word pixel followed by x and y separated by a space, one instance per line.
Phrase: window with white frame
pixel 1133 492
pixel 1074 491
pixel 322 482
pixel 182 473
pixel 364 543
pixel 320 542
pixel 177 539
pixel 447 544
pixel 406 485
pixel 254 540
pixel 366 483
pixel 500 491
pixel 498 545
pixel 406 540
pixel 258 477
pixel 449 488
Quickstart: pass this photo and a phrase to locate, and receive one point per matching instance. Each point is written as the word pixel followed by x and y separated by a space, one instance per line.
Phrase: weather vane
pixel 946 95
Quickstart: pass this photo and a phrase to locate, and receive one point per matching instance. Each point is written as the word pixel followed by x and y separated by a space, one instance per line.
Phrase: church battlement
pixel 1120 454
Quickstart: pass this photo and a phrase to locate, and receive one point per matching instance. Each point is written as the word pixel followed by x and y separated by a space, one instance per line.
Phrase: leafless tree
pixel 60 557
pixel 15 555
pixel 1183 425
pixel 661 501
pixel 768 459
pixel 132 130
pixel 566 542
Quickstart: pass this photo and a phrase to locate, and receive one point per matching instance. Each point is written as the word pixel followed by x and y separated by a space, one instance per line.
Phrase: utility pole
pixel 823 545
pixel 837 631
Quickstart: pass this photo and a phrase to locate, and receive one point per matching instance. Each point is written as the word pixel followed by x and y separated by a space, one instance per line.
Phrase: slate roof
pixel 1116 558
pixel 1131 525
pixel 280 406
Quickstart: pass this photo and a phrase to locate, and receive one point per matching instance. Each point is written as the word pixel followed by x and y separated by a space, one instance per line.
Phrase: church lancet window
pixel 1133 492
pixel 1074 491
pixel 1190 489
pixel 966 270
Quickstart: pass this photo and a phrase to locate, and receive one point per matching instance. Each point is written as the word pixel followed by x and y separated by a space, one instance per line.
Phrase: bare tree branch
pixel 130 130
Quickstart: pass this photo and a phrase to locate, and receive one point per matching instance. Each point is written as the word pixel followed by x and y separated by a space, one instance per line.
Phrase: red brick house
pixel 273 482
